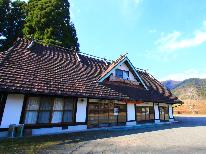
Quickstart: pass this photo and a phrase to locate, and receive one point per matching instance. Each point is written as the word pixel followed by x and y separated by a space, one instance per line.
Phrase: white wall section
pixel 156 110
pixel 12 110
pixel 171 117
pixel 130 112
pixel 81 110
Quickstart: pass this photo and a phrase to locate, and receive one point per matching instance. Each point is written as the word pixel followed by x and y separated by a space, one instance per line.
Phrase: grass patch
pixel 31 145
pixel 36 144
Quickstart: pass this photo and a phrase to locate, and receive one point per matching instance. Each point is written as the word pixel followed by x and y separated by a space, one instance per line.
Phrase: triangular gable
pixel 116 65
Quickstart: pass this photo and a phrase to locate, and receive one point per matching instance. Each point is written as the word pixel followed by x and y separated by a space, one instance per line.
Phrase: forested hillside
pixel 192 92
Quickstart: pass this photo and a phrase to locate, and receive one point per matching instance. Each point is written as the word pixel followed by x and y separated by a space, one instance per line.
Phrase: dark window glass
pixel 46 103
pixel 44 117
pixel 69 110
pixel 119 73
pixel 68 106
pixel 68 116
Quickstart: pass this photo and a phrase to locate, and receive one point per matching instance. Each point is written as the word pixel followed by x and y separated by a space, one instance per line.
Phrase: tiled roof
pixel 51 70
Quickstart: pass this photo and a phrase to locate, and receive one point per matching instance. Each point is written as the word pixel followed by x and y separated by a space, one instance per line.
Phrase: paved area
pixel 187 136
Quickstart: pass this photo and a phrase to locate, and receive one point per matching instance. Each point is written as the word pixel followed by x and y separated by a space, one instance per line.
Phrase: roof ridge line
pixel 53 45
pixel 71 50
pixel 120 57
pixel 96 57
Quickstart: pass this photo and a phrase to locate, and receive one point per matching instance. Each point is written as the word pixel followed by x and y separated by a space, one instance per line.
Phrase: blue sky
pixel 165 37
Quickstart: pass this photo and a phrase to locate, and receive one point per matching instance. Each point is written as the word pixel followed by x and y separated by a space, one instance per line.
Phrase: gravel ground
pixel 187 136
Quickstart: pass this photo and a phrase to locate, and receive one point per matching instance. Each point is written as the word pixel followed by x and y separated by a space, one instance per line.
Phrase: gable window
pixel 122 74
pixel 45 110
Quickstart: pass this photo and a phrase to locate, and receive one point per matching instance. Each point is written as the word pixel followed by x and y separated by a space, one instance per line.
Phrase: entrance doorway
pixel 164 113
pixel 144 114
pixel 106 113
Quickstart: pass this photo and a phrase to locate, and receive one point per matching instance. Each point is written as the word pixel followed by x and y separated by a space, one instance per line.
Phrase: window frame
pixel 73 111
pixel 144 113
pixel 119 70
pixel 3 98
pixel 51 112
pixel 165 109
pixel 122 75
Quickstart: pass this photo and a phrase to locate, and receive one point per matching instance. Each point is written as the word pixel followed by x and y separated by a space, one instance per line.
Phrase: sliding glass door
pixel 164 113
pixel 144 114
pixel 103 113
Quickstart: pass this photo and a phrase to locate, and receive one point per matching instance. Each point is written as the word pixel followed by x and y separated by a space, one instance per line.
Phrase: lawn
pixel 35 144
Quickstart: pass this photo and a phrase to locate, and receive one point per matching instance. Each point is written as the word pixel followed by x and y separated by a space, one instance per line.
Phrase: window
pixel 57 110
pixel 144 113
pixel 44 110
pixel 101 113
pixel 122 74
pixel 119 73
pixel 125 75
pixel 32 110
pixel 164 113
pixel 68 110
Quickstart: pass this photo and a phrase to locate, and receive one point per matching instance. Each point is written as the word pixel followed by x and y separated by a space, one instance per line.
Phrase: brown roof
pixel 51 70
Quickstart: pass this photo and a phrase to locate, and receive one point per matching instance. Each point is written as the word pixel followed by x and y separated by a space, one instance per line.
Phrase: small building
pixel 51 89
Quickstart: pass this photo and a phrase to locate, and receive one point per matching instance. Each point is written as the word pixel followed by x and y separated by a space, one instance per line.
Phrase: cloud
pixel 152 31
pixel 167 46
pixel 173 41
pixel 191 73
pixel 136 2
pixel 129 6
pixel 133 3
pixel 160 57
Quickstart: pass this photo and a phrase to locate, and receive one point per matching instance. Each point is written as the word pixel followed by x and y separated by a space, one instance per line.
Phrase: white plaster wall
pixel 12 110
pixel 53 130
pixel 130 112
pixel 170 112
pixel 125 68
pixel 156 110
pixel 81 110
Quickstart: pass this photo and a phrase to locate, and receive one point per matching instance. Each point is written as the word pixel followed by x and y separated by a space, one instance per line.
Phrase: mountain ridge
pixel 171 84
pixel 192 88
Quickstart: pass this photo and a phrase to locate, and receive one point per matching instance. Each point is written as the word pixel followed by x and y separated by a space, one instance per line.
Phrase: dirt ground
pixel 187 136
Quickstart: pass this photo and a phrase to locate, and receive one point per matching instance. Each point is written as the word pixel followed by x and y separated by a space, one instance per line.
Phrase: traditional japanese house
pixel 51 89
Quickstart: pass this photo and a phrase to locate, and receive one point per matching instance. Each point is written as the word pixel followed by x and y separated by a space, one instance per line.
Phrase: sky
pixel 165 37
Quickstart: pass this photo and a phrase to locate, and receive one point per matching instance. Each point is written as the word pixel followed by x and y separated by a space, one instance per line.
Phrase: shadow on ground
pixel 100 134
pixel 70 142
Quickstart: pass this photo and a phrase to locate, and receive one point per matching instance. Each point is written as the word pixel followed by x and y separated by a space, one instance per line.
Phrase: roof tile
pixel 57 71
